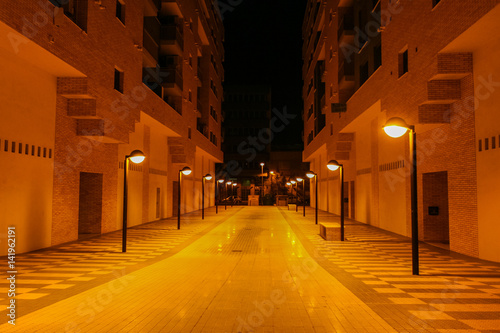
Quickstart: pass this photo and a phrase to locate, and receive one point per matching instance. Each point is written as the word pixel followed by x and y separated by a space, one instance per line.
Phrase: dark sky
pixel 263 45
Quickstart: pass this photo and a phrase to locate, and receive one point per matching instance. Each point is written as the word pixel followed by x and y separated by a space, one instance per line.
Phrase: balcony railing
pixel 171 35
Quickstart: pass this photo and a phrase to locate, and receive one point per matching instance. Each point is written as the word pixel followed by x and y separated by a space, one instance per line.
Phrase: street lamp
pixel 395 128
pixel 293 183
pixel 136 157
pixel 220 181
pixel 310 175
pixel 272 174
pixel 185 171
pixel 334 165
pixel 225 200
pixel 207 177
pixel 232 193
pixel 301 180
pixel 262 180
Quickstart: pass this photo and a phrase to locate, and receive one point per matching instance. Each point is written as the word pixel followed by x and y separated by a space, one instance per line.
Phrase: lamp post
pixel 232 192
pixel 272 174
pixel 136 157
pixel 185 171
pixel 225 200
pixel 311 175
pixel 220 181
pixel 293 183
pixel 301 180
pixel 395 128
pixel 262 181
pixel 334 165
pixel 207 177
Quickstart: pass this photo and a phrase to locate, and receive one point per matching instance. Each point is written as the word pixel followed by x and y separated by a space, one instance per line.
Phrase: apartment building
pixel 432 63
pixel 83 84
pixel 247 134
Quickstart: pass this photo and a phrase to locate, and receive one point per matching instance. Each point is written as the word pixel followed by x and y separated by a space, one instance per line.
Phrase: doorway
pixel 352 212
pixel 90 203
pixel 158 202
pixel 346 199
pixel 435 204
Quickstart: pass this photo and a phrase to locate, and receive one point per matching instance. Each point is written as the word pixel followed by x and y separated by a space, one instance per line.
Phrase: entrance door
pixel 435 200
pixel 346 199
pixel 352 213
pixel 90 203
pixel 158 202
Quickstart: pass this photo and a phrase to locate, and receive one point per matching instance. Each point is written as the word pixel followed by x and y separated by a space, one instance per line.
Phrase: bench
pixel 329 231
pixel 293 206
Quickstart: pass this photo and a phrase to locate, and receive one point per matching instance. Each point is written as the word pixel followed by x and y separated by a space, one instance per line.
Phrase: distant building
pixel 247 134
pixel 435 65
pixel 84 83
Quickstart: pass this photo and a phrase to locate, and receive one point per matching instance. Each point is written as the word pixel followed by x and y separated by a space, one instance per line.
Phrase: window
pixel 118 80
pixel 435 2
pixel 75 10
pixel 403 62
pixel 190 96
pixel 213 112
pixel 190 60
pixel 377 57
pixel 120 11
pixel 363 73
pixel 213 138
pixel 189 132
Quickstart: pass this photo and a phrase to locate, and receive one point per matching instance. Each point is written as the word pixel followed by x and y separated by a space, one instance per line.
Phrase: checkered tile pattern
pixel 52 274
pixel 453 293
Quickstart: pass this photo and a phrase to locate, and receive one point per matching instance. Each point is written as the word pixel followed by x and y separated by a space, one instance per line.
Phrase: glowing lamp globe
pixel 333 165
pixel 186 171
pixel 396 127
pixel 137 156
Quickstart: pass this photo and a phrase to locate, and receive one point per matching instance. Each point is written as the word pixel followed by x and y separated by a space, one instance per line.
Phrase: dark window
pixel 6 145
pixel 486 144
pixel 435 2
pixel 20 150
pixel 480 145
pixel 377 57
pixel 403 63
pixel 190 96
pixel 363 73
pixel 39 151
pixel 75 10
pixel 118 80
pixel 13 147
pixel 493 142
pixel 189 133
pixel 26 149
pixel 120 11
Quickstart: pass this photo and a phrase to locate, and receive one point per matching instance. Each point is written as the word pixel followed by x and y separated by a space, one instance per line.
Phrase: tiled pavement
pixel 50 275
pixel 249 270
pixel 453 293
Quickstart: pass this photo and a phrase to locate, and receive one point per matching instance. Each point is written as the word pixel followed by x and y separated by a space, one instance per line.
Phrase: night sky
pixel 263 45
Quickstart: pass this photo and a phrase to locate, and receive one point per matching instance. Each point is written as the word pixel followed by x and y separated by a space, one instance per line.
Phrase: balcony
pixel 171 81
pixel 151 38
pixel 151 78
pixel 345 32
pixel 170 7
pixel 172 41
pixel 346 75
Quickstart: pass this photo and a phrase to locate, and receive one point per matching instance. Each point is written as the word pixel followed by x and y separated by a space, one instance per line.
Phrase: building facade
pixel 247 135
pixel 432 63
pixel 84 83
